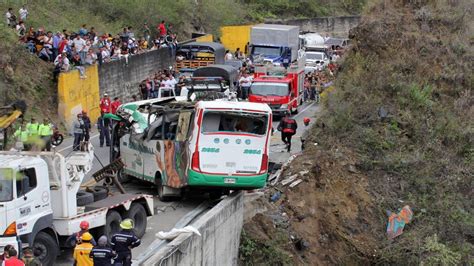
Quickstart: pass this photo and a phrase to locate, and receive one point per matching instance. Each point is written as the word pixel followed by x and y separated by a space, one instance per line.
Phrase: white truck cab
pixel 38 204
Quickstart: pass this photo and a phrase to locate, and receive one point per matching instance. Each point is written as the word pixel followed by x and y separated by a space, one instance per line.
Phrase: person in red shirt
pixel 162 29
pixel 62 45
pixel 105 104
pixel 12 260
pixel 115 105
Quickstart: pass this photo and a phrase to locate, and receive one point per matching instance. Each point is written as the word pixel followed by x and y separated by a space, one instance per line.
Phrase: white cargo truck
pixel 274 43
pixel 41 204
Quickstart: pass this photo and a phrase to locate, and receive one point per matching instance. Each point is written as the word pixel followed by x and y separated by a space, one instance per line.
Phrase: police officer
pixel 123 242
pixel 45 131
pixel 305 134
pixel 103 125
pixel 287 127
pixel 21 135
pixel 102 254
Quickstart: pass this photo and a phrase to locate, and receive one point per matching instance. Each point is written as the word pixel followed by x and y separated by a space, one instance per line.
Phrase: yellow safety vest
pixel 33 129
pixel 81 254
pixel 23 134
pixel 45 130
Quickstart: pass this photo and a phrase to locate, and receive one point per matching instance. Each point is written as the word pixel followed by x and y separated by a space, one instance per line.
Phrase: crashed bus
pixel 216 146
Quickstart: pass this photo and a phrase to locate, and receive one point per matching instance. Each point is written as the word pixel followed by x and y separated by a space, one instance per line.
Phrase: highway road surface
pixel 167 214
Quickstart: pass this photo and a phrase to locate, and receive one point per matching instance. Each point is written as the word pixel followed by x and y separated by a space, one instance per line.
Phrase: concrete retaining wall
pixel 121 80
pixel 332 26
pixel 219 244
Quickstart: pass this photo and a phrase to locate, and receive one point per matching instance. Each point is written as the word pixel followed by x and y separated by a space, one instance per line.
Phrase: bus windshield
pixel 270 89
pixel 231 121
pixel 6 184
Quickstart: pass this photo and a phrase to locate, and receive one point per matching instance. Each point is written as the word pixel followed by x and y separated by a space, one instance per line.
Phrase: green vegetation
pixel 414 60
pixel 255 252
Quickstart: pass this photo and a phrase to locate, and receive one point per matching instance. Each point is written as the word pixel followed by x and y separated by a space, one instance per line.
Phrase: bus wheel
pixel 122 177
pixel 161 191
pixel 215 194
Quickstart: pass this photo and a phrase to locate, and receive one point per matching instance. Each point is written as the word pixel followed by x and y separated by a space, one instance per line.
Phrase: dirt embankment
pixel 397 131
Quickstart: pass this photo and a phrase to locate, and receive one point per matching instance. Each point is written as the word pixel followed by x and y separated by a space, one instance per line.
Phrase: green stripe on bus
pixel 199 179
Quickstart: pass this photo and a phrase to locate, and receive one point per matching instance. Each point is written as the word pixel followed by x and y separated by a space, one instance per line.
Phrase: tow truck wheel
pixel 138 214
pixel 112 224
pixel 48 246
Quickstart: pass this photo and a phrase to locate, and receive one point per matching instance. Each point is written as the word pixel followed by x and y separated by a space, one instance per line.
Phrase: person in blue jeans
pixel 78 132
pixel 103 125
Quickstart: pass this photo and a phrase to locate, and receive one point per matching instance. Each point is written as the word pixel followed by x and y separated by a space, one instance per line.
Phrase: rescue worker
pixel 305 134
pixel 82 251
pixel 123 242
pixel 21 136
pixel 75 238
pixel 78 131
pixel 102 254
pixel 29 257
pixel 287 127
pixel 45 131
pixel 115 105
pixel 103 125
pixel 105 104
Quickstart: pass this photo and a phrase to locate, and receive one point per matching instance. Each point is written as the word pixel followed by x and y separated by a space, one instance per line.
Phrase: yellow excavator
pixel 8 115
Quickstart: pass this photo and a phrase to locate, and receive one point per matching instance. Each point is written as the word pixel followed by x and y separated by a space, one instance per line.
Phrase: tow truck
pixel 280 88
pixel 41 203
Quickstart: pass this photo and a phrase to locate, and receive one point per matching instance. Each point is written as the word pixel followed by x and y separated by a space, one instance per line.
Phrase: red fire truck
pixel 280 88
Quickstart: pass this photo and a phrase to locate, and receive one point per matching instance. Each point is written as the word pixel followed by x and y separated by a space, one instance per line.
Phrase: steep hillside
pixel 398 131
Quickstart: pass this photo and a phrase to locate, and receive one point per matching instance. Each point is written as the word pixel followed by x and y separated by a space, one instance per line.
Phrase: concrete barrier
pixel 119 79
pixel 76 94
pixel 219 241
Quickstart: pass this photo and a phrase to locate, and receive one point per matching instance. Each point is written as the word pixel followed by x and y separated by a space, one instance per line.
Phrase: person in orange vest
pixel 287 127
pixel 105 104
pixel 82 251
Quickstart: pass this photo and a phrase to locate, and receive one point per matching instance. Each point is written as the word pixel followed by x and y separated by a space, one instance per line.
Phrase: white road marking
pixel 70 146
pixel 301 112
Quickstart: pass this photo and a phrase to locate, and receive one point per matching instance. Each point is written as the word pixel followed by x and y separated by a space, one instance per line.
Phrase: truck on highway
pixel 274 44
pixel 41 204
pixel 193 55
pixel 280 88
pixel 212 145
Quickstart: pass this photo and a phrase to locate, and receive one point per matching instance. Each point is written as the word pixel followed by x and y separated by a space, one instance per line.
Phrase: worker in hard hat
pixel 75 239
pixel 82 251
pixel 305 134
pixel 123 242
pixel 102 254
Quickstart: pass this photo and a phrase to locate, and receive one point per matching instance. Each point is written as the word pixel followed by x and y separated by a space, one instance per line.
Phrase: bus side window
pixel 183 126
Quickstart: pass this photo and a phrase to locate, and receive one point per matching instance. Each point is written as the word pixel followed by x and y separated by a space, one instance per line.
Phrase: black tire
pixel 112 224
pixel 160 189
pixel 56 141
pixel 83 198
pixel 100 193
pixel 48 246
pixel 138 214
pixel 122 177
pixel 215 194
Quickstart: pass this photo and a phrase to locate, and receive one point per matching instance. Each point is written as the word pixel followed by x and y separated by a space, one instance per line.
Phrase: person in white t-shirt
pixel 79 47
pixel 245 81
pixel 228 55
pixel 23 13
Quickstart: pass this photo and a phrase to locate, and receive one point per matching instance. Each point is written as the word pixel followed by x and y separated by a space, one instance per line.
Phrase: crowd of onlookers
pixel 76 49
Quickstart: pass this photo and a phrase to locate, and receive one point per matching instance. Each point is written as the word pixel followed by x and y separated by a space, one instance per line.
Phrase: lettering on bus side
pixel 249 151
pixel 214 150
